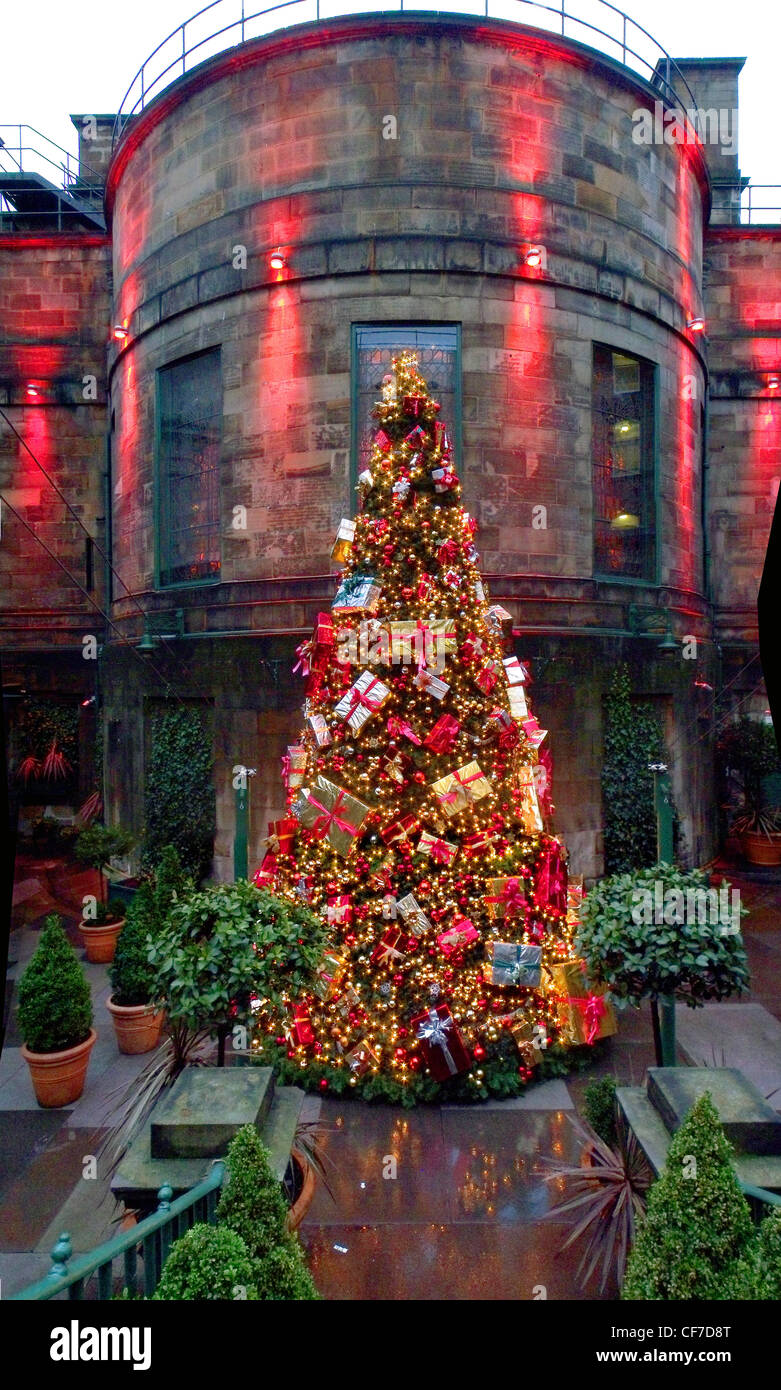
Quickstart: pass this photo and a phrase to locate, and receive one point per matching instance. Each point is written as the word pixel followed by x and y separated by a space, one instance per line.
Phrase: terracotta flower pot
pixel 137 1026
pixel 760 849
pixel 303 1202
pixel 58 1077
pixel 100 940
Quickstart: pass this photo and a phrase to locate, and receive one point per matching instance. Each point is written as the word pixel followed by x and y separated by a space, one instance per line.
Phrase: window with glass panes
pixel 189 400
pixel 623 465
pixel 438 347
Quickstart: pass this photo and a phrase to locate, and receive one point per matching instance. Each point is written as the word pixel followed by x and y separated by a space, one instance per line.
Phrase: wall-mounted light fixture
pixel 277 259
pixel 696 324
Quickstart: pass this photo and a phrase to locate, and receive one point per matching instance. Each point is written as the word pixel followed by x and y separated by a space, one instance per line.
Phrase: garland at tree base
pixel 501 1078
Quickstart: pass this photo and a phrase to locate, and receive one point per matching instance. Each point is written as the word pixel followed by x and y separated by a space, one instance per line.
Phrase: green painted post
pixel 241 776
pixel 664 854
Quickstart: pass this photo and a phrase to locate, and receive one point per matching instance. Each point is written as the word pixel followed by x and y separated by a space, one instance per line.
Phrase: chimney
pixel 714 85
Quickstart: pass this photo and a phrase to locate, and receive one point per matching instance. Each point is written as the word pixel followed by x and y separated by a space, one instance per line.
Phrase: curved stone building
pixel 281 219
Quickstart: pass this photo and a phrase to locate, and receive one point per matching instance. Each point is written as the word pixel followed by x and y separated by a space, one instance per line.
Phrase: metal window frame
pixel 455 427
pixel 159 520
pixel 654 577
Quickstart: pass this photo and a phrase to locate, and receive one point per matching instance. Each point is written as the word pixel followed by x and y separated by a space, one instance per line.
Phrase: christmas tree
pixel 419 806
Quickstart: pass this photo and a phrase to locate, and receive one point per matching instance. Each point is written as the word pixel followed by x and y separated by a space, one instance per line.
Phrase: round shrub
pixel 207 1262
pixel 282 1274
pixel 55 1004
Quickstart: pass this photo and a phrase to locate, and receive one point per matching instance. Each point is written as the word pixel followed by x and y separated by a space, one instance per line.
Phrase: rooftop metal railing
pixel 225 24
pixel 25 150
pixel 70 190
pixel 752 212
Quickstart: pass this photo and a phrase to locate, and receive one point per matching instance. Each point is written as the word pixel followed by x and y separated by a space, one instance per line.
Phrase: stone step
pixel 654 1139
pixel 206 1107
pixel 749 1122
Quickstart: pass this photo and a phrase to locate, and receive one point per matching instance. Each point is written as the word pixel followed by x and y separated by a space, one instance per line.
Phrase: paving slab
pixel 745 1036
pixel 19 1270
pixel 549 1095
pixel 749 1122
pixel 206 1107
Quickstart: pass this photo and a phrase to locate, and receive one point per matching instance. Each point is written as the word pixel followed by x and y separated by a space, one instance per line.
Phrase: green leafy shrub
pixel 747 749
pixel 633 739
pixel 179 802
pixel 769 1257
pixel 697 1240
pixel 221 947
pixel 638 957
pixel 131 975
pixel 106 913
pixel 252 1205
pixel 98 844
pixel 55 1004
pixel 207 1262
pixel 599 1108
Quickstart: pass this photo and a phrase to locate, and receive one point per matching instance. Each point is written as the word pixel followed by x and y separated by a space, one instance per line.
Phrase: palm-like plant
pixel 29 769
pixel 55 765
pixel 90 809
pixel 605 1195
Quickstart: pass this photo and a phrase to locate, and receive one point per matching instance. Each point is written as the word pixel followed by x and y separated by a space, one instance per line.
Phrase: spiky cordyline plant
pixel 90 809
pixel 604 1198
pixel 55 765
pixel 29 768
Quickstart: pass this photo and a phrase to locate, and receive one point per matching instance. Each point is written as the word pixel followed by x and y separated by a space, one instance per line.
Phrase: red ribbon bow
pixel 330 817
pixel 512 896
pixel 463 783
pixel 439 852
pixel 593 1009
pixel 363 697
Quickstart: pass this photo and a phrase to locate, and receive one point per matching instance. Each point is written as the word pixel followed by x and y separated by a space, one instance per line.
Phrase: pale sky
pixel 59 57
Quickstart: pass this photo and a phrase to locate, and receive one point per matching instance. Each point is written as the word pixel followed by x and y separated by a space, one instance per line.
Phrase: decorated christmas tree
pixel 419 807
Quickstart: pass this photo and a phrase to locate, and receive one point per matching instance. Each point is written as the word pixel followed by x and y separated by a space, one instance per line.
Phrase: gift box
pixel 300 1029
pixel 347 1002
pixel 389 948
pixel 441 1043
pixel 331 813
pixel 514 671
pixel 329 975
pixel 364 698
pixel 397 766
pixel 452 578
pixel 441 437
pixel 357 593
pixel 265 876
pixel 343 544
pixel 409 641
pixel 478 589
pixel 474 648
pixel 281 834
pixel 440 851
pixel 519 710
pixel 415 919
pixel 426 680
pixel 360 1058
pixel 442 640
pixel 503 728
pixel 511 964
pixel 528 805
pixel 445 479
pixel 318 727
pixel 533 732
pixel 527 1034
pixel 461 933
pixel 480 842
pixel 506 898
pixel 487 677
pixel 294 766
pixel 323 635
pixel 574 900
pixel 449 551
pixel 417 438
pixel 458 790
pixel 550 879
pixel 442 736
pixel 339 909
pixel 585 1012
pixel 400 829
pixel 413 405
pixel 399 728
pixel 499 620
pixel 383 440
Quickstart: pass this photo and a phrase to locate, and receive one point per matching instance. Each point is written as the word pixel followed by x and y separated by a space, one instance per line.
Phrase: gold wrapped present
pixel 506 898
pixel 518 706
pixel 458 790
pixel 528 805
pixel 344 541
pixel 360 1058
pixel 440 851
pixel 330 973
pixel 364 698
pixel 585 1011
pixel 331 812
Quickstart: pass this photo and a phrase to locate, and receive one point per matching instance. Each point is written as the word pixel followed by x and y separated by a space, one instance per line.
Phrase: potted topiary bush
pixel 253 1206
pixel 95 846
pixel 55 1019
pixel 660 934
pixel 137 1020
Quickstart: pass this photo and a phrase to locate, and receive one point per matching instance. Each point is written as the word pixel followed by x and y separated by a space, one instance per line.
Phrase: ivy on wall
pixel 633 739
pixel 179 800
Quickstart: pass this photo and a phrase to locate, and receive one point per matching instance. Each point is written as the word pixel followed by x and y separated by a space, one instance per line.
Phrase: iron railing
pixel 154 1235
pixel 749 208
pixel 234 22
pixel 25 150
pixel 70 191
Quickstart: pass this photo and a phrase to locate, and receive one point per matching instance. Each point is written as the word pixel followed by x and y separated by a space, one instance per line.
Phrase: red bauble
pixel 424 886
pixel 419 776
pixel 398 979
pixel 323 1084
pixel 407 593
pixel 279 1041
pixel 318 1047
pixel 497 1005
pixel 402 1032
pixel 414 1063
pixel 479 1052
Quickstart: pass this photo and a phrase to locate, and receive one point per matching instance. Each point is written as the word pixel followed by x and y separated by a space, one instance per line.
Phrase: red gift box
pixel 443 735
pixel 461 933
pixel 399 728
pixel 473 647
pixel 283 832
pixel 441 438
pixel 383 440
pixel 388 950
pixel 399 829
pixel 302 1028
pixel 550 880
pixel 417 438
pixel 323 635
pixel 413 405
pixel 487 677
pixel 340 909
pixel 441 1043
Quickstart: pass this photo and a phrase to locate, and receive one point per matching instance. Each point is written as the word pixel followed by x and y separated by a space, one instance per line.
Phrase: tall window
pixel 439 352
pixel 623 466
pixel 190 419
